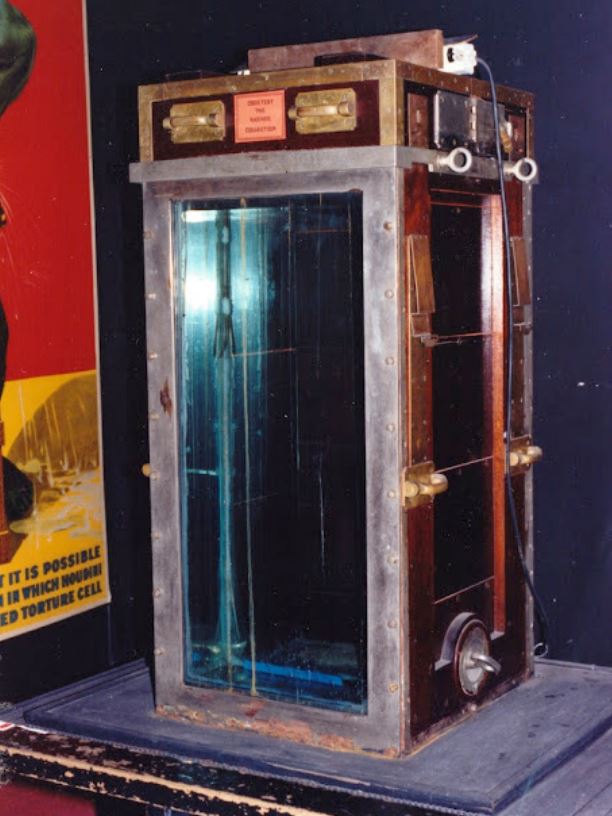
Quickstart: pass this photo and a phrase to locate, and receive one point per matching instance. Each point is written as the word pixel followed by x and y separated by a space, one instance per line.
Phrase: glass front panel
pixel 270 362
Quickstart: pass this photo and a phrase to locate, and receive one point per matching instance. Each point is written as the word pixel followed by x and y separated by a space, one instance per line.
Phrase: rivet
pixel 392 624
pixel 155 536
pixel 151 295
pixel 393 560
pixel 152 355
pixel 391 494
pixel 158 651
pixel 393 688
pixel 390 361
pixel 389 294
pixel 390 427
pixel 153 415
pixel 146 470
pixel 157 593
pixel 388 225
pixel 147 234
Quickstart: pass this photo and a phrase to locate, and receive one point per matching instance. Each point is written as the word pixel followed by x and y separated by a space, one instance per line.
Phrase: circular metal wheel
pixel 472 658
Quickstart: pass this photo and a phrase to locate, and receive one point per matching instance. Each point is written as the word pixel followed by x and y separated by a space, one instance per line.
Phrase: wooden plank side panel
pixel 493 321
pixel 417 213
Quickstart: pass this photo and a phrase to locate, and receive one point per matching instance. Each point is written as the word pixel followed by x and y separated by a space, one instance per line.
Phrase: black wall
pixel 559 49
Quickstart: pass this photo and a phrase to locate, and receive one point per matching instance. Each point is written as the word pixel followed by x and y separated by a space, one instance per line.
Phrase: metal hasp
pixel 327 330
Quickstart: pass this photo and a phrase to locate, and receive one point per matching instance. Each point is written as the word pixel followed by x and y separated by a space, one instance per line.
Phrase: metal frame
pixel 528 357
pixel 381 728
pixel 378 173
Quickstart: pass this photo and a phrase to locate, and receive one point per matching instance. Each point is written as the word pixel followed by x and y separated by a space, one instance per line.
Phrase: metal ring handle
pixel 524 170
pixel 459 160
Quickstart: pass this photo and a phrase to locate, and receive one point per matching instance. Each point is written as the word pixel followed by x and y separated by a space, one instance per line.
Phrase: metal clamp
pixel 420 483
pixel 524 457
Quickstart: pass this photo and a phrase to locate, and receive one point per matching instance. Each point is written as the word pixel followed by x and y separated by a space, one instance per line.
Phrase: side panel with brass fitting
pixel 467 608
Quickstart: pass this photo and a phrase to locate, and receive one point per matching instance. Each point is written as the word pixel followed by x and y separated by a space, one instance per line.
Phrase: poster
pixel 53 560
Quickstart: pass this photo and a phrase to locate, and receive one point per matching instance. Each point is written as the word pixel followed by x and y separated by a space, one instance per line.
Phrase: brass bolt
pixel 388 226
pixel 393 688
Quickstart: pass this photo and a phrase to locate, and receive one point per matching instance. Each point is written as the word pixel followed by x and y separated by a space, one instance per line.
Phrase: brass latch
pixel 523 454
pixel 194 122
pixel 420 483
pixel 327 111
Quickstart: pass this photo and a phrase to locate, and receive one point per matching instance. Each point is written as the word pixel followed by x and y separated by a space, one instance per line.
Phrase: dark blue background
pixel 559 49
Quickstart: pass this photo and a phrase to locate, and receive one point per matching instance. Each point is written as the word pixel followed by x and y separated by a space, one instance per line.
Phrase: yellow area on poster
pixel 53 560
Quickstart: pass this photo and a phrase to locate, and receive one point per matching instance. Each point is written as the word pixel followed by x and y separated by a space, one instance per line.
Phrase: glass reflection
pixel 270 360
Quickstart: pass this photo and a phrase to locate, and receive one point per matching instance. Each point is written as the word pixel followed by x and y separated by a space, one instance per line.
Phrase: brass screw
pixel 388 226
pixel 393 688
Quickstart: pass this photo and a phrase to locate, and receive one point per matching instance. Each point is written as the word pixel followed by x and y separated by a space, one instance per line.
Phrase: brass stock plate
pixel 193 122
pixel 327 111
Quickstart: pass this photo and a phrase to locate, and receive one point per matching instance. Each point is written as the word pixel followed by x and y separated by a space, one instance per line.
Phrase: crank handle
pixel 486 662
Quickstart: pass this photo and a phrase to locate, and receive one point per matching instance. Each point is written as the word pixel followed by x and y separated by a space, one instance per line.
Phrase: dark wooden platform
pixel 530 752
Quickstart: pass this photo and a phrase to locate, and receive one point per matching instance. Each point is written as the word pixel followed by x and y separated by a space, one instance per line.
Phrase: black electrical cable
pixel 541 648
